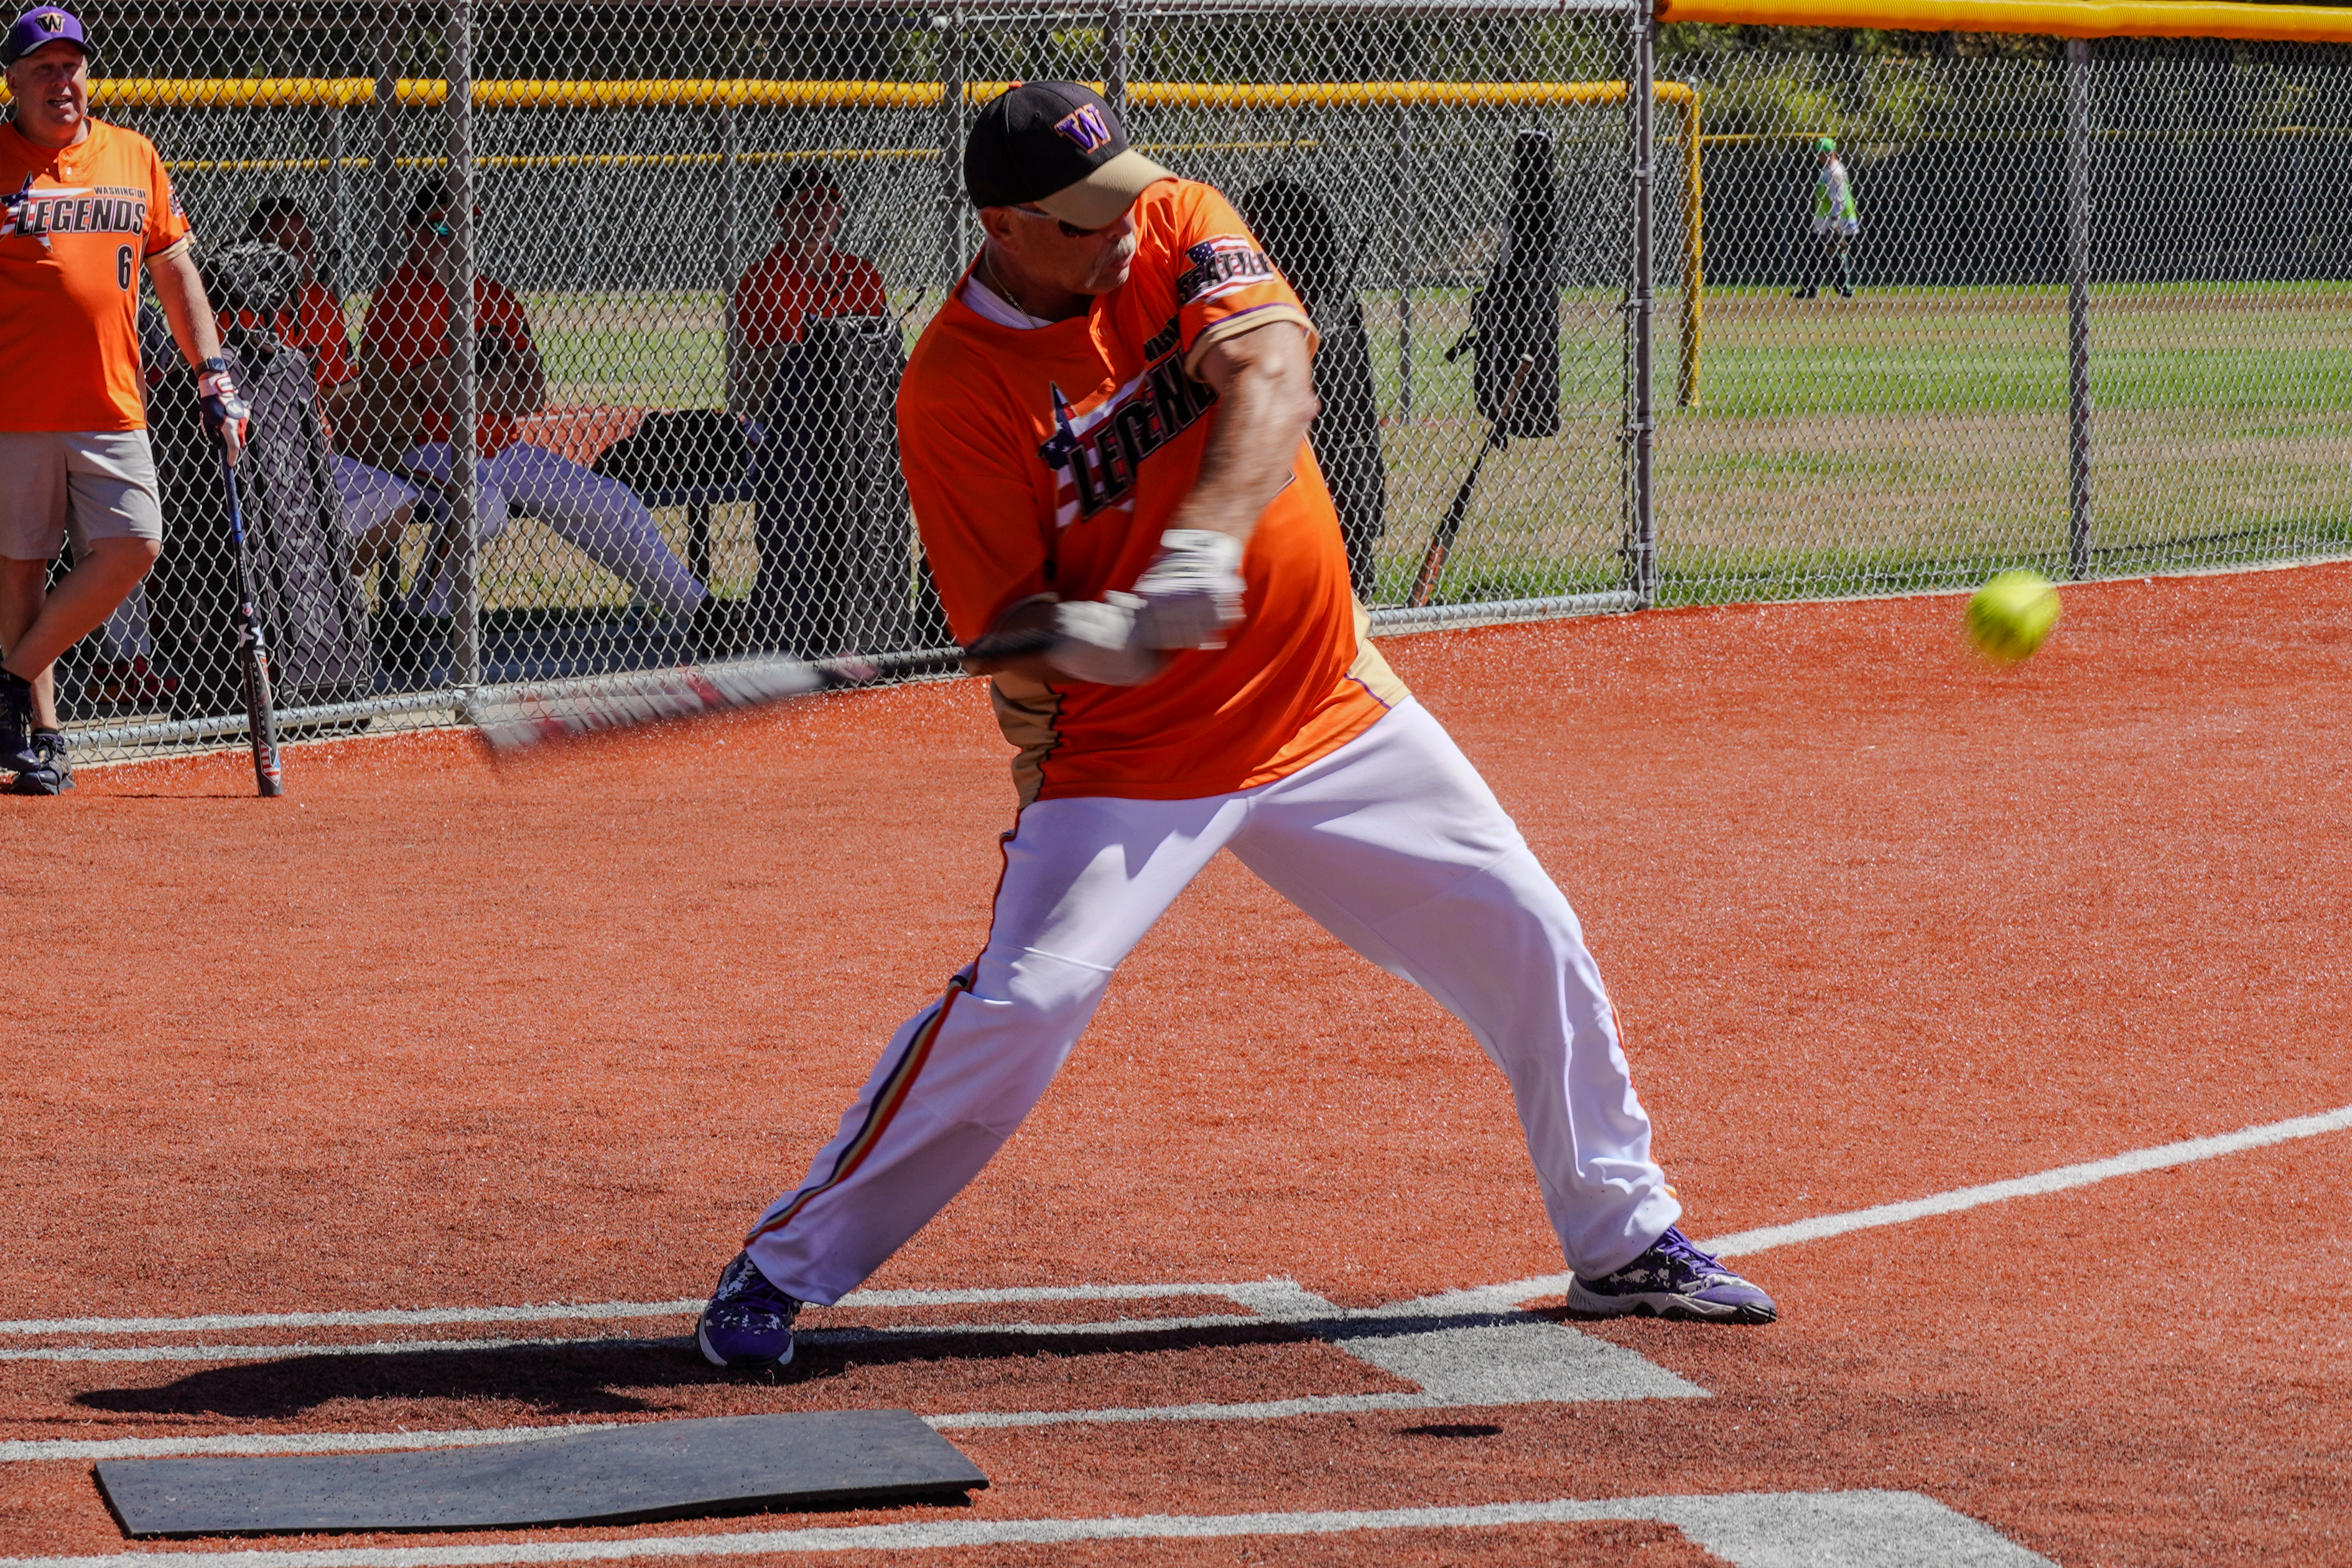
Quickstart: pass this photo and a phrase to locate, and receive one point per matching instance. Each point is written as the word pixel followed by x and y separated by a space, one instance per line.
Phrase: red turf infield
pixel 1881 923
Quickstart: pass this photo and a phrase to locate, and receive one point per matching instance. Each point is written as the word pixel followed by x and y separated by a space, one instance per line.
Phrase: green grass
pixel 1910 438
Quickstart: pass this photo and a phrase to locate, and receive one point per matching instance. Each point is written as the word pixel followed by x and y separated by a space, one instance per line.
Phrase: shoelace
pixel 1677 1249
pixel 754 1289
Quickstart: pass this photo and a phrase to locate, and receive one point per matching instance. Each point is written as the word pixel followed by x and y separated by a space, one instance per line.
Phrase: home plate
pixel 659 1470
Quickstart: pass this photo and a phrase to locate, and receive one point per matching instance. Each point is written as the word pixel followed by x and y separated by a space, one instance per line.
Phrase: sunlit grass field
pixel 1907 438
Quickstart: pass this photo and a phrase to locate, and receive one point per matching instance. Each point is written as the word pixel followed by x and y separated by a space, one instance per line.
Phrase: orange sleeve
pixel 394 328
pixel 502 313
pixel 747 306
pixel 167 225
pixel 323 337
pixel 974 505
pixel 1226 283
pixel 866 295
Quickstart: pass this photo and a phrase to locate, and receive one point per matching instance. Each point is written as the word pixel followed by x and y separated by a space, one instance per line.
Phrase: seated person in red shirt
pixel 798 599
pixel 376 505
pixel 802 278
pixel 410 383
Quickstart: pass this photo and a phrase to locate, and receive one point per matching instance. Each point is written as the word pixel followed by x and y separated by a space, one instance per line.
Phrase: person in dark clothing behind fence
pixel 1299 234
pixel 785 382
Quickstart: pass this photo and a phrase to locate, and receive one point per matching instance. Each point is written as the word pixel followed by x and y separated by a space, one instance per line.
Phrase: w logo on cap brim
pixel 1084 127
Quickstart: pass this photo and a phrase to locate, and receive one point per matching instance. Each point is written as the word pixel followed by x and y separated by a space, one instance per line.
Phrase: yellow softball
pixel 2009 616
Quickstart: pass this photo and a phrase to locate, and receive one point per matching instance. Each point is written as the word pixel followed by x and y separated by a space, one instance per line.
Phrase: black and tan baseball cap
pixel 1055 145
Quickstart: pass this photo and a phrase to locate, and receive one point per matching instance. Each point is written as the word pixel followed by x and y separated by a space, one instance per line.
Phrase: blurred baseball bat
pixel 520 718
pixel 1433 560
pixel 252 655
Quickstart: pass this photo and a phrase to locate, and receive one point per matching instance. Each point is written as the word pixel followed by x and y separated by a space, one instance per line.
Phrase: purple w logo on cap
pixel 1085 126
pixel 50 21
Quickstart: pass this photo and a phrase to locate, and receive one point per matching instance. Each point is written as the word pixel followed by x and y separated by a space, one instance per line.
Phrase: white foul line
pixel 1740 1244
pixel 1749 1529
pixel 283 1350
pixel 2187 1151
pixel 284 1443
pixel 1746 1243
pixel 390 1317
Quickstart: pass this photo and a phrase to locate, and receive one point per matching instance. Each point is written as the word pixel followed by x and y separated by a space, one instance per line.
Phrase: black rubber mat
pixel 657 1469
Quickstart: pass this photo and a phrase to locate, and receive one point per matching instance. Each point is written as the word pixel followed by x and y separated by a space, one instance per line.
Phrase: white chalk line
pixel 1740 1244
pixel 1765 1239
pixel 1749 1530
pixel 884 1334
pixel 1276 1300
pixel 38 1448
pixel 560 1311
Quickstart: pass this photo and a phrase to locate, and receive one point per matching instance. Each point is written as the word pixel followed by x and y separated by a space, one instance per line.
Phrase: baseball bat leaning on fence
pixel 519 718
pixel 1433 560
pixel 252 655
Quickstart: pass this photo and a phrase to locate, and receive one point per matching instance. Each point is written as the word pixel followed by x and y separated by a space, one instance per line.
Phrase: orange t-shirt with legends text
pixel 408 325
pixel 70 276
pixel 1052 459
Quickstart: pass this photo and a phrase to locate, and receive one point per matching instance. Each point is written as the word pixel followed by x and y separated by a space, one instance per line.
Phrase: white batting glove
pixel 1097 640
pixel 1192 591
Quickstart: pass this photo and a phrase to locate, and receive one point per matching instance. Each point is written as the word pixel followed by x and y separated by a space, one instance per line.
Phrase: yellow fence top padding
pixel 346 93
pixel 2062 18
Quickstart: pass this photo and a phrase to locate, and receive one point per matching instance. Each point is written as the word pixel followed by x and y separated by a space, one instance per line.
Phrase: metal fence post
pixel 386 105
pixel 2078 308
pixel 1641 423
pixel 952 250
pixel 338 190
pixel 1401 237
pixel 1115 55
pixel 466 627
pixel 731 219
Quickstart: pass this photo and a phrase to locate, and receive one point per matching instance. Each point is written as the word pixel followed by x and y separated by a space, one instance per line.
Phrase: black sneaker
pixel 1808 292
pixel 50 774
pixel 17 753
pixel 1845 291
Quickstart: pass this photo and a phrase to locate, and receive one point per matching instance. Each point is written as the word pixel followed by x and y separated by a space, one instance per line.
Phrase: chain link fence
pixel 2192 219
pixel 2096 320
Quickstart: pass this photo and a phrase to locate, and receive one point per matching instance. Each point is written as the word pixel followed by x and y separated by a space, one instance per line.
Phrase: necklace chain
pixel 995 285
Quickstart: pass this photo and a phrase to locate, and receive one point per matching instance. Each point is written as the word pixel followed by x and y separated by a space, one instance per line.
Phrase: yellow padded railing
pixel 673 93
pixel 2059 18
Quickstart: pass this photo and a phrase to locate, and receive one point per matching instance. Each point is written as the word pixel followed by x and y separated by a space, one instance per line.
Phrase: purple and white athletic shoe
pixel 748 1322
pixel 1672 1279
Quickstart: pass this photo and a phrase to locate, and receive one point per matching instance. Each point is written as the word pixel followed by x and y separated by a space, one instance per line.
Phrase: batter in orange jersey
pixel 1103 436
pixel 1050 459
pixel 85 207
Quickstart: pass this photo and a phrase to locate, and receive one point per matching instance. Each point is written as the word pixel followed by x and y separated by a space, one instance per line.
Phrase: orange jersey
pixel 773 299
pixel 70 276
pixel 316 326
pixel 408 325
pixel 1052 459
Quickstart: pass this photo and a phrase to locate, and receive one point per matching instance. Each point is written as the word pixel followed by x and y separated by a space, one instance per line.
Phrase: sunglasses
pixel 1069 231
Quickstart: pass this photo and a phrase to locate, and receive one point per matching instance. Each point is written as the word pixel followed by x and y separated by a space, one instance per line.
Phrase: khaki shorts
pixel 82 485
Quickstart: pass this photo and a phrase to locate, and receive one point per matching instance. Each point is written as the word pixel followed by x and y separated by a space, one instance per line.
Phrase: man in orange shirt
pixel 376 505
pixel 1102 432
pixel 408 382
pixel 798 600
pixel 803 277
pixel 82 206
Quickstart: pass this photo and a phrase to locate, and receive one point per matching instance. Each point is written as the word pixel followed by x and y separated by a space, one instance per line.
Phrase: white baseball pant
pixel 1394 843
pixel 602 517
